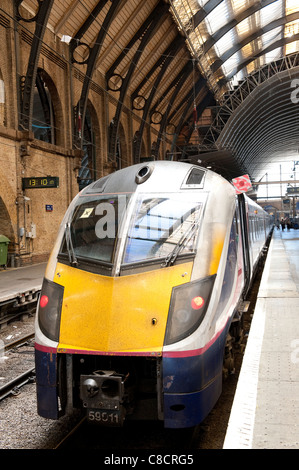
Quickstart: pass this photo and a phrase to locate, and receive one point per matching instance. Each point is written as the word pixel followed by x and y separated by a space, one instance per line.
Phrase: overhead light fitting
pixel 66 38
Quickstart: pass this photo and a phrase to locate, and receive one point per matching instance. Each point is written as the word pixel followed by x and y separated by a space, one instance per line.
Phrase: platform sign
pixel 40 182
pixel 242 184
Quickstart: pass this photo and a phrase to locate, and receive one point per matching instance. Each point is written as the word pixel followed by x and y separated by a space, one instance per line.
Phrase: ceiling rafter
pixel 156 19
pixel 177 88
pixel 91 63
pixel 163 64
pixel 167 55
pixel 28 84
pixel 122 30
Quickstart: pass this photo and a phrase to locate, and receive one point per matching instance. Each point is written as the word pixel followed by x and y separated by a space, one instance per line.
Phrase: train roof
pixel 166 176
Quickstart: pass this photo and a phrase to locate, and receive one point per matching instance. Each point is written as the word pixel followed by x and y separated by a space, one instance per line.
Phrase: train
pixel 142 296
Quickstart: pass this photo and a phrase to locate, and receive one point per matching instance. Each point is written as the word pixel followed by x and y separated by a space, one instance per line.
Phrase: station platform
pixel 265 411
pixel 18 282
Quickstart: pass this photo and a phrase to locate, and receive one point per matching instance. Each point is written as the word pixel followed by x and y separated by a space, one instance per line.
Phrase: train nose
pixel 91 387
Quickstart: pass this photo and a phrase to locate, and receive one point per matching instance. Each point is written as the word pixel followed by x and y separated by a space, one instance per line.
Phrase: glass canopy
pixel 232 38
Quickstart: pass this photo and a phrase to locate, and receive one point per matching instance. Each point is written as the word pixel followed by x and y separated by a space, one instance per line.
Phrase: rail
pixel 12 387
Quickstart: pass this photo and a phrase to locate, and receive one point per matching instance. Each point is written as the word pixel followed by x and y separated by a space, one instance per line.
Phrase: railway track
pixel 20 341
pixel 18 307
pixel 12 387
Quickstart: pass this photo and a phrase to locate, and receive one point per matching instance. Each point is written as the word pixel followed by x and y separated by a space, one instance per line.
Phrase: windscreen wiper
pixel 69 245
pixel 172 256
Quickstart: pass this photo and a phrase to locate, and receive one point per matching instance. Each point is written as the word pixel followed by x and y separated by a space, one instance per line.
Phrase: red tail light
pixel 43 301
pixel 49 311
pixel 188 305
pixel 197 302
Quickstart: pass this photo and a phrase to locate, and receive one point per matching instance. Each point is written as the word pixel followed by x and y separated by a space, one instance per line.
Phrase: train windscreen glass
pixel 93 229
pixel 162 227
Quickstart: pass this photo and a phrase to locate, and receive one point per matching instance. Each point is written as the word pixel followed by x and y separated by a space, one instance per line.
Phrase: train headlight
pixel 49 309
pixel 188 305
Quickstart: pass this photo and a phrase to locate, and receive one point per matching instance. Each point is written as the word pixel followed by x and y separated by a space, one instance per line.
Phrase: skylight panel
pixel 231 64
pixel 244 27
pixel 226 42
pixel 292 47
pixel 219 17
pixel 273 55
pixel 251 67
pixel 271 36
pixel 291 29
pixel 247 51
pixel 239 5
pixel 272 12
pixel 292 6
pixel 239 77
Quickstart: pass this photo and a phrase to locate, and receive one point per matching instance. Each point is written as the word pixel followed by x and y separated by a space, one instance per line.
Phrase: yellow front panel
pixel 122 314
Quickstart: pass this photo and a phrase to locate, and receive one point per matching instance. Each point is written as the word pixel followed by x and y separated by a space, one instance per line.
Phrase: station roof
pixel 248 47
pixel 214 75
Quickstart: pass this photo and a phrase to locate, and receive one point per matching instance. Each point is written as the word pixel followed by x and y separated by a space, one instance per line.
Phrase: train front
pixel 119 290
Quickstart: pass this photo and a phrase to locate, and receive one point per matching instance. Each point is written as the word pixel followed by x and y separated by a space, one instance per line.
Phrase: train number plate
pixel 105 417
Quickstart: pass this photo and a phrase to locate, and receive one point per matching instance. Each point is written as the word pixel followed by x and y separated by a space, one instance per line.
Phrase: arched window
pixel 43 117
pixel 87 171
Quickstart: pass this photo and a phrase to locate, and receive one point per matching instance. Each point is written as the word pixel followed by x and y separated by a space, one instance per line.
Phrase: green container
pixel 4 241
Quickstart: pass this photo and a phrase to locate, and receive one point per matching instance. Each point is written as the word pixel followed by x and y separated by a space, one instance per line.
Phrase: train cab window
pixel 92 231
pixel 101 233
pixel 162 227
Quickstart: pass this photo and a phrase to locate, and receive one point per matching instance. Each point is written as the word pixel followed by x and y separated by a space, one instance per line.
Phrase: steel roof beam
pixel 206 101
pixel 162 8
pixel 174 47
pixel 44 102
pixel 164 63
pixel 204 11
pixel 87 23
pixel 91 63
pixel 156 18
pixel 191 95
pixel 40 19
pixel 170 87
pixel 181 80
